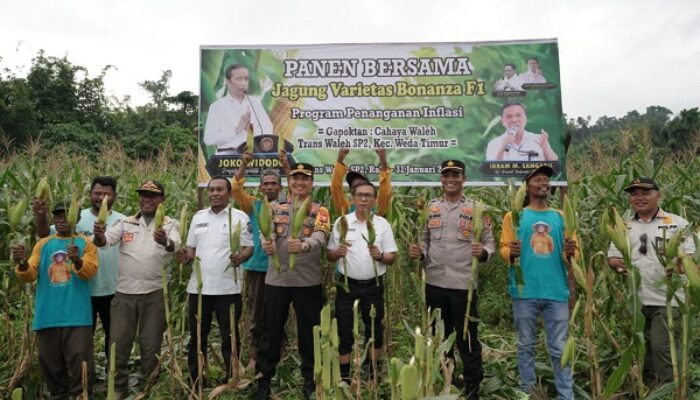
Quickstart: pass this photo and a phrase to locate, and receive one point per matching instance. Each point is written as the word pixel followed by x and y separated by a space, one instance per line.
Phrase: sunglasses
pixel 643 246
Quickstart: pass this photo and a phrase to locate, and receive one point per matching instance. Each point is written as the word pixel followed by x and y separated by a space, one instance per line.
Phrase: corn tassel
pixel 299 217
pixel 104 211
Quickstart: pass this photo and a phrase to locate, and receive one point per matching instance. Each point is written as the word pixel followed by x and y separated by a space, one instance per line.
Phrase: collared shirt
pixel 307 266
pixel 519 152
pixel 532 77
pixel 224 116
pixel 209 236
pixel 513 83
pixel 653 288
pixel 359 261
pixel 141 259
pixel 447 243
pixel 104 283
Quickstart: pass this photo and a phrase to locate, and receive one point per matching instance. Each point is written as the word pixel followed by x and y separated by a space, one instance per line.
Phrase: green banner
pixel 496 106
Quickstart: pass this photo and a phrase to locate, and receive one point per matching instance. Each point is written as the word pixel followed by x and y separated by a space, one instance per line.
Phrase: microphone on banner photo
pixel 511 131
pixel 255 114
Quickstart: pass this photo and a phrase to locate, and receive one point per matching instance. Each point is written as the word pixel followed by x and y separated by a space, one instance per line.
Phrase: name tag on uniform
pixel 127 237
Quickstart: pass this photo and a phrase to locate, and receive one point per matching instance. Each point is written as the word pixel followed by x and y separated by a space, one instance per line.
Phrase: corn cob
pixel 569 218
pixel 410 381
pixel 73 212
pixel 280 142
pixel 478 224
pixel 16 214
pixel 691 270
pixel 370 239
pixel 343 227
pixel 516 206
pixel 299 216
pixel 184 219
pixel 17 394
pixel 43 191
pixel 617 232
pixel 265 224
pixel 160 216
pixel 673 245
pixel 394 371
pixel 568 353
pixel 317 351
pixel 250 142
pixel 234 235
pixel 104 211
pixel 579 274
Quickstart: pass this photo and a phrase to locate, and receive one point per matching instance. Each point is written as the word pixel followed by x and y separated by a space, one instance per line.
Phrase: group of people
pixel 114 271
pixel 512 81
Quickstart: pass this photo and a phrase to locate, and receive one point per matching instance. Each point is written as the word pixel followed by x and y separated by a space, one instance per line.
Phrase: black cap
pixel 642 183
pixel 152 186
pixel 452 165
pixel 301 168
pixel 60 206
pixel 352 175
pixel 544 169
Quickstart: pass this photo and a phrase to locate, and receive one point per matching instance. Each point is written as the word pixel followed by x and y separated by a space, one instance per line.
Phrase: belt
pixel 362 282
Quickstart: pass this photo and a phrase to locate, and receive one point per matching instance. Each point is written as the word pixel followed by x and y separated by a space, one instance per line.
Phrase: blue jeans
pixel 556 318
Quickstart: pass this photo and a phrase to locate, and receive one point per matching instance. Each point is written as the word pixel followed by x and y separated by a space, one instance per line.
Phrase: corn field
pixel 413 365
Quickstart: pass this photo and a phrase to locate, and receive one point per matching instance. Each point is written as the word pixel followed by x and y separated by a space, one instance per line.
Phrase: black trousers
pixel 100 307
pixel 453 306
pixel 307 302
pixel 219 305
pixel 369 294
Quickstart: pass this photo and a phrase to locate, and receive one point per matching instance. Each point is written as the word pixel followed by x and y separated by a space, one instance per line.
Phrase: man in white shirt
pixel 208 239
pixel 516 144
pixel 533 73
pixel 358 264
pixel 510 80
pixel 230 117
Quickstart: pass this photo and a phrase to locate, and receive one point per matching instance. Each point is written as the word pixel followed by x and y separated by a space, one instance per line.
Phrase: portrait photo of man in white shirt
pixel 231 116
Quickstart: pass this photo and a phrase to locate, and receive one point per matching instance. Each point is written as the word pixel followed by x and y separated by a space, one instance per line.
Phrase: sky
pixel 615 56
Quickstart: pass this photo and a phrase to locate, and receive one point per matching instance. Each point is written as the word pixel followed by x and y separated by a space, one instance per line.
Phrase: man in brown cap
pixel 138 302
pixel 649 229
pixel 300 286
pixel 447 246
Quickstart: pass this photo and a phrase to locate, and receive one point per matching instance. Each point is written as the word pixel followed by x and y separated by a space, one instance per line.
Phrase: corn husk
pixel 570 226
pixel 691 270
pixel 16 213
pixel 264 218
pixel 104 211
pixel 516 207
pixel 43 191
pixel 160 216
pixel 616 230
pixel 569 350
pixel 478 224
pixel 410 381
pixel 184 220
pixel 394 374
pixel 73 212
pixel 370 239
pixel 343 227
pixel 234 235
pixel 299 217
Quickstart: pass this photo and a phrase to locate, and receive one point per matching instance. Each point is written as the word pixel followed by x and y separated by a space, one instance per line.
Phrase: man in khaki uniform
pixel 143 250
pixel 300 286
pixel 447 246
